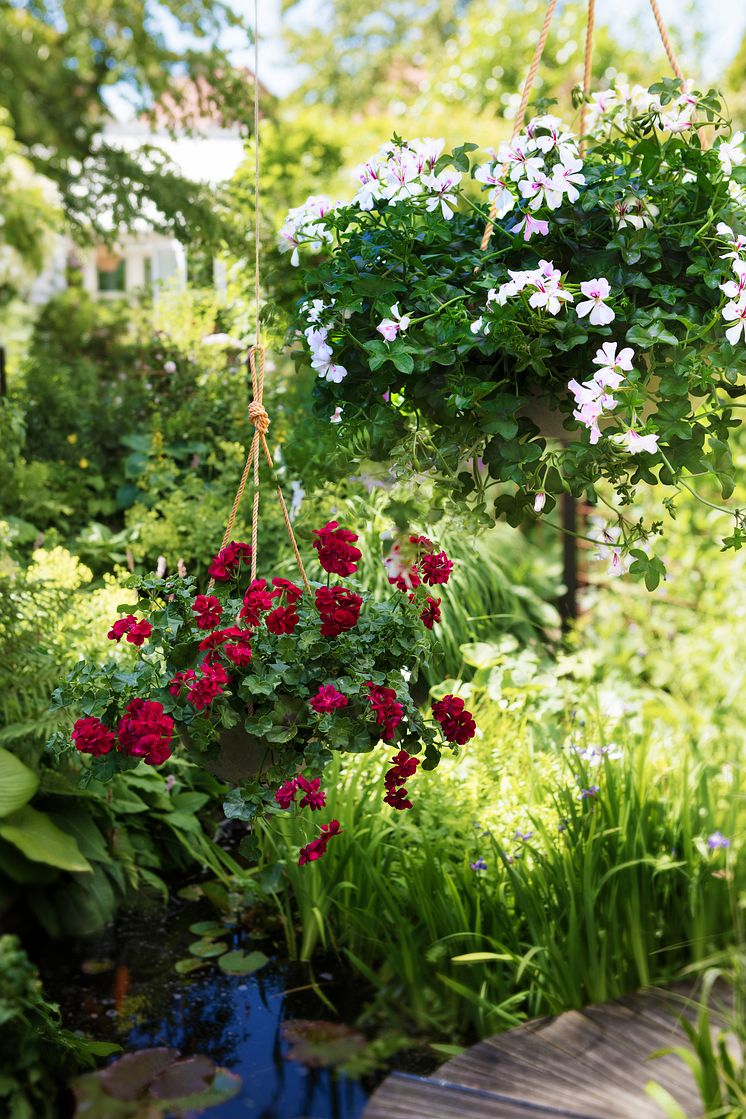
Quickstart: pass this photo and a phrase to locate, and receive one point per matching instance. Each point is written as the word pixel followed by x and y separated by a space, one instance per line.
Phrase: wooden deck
pixel 589 1064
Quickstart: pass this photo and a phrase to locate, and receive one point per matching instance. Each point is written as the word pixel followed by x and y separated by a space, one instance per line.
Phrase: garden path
pixel 585 1064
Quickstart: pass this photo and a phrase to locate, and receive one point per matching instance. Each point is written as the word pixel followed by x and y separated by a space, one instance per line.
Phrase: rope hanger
pixel 257 412
pixel 533 70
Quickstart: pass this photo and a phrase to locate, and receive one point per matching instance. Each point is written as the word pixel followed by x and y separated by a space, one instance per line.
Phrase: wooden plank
pixel 414 1097
pixel 589 1064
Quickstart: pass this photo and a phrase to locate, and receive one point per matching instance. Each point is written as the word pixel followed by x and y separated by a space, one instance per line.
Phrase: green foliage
pixel 28 217
pixel 37 1054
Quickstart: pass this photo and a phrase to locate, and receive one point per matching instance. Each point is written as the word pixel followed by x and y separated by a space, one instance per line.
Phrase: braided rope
pixel 521 114
pixel 666 41
pixel 587 71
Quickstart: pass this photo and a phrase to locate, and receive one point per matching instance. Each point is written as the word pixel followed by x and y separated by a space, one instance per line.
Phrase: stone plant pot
pixel 240 756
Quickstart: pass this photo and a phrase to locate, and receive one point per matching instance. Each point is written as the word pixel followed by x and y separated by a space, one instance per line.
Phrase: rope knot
pixel 258 416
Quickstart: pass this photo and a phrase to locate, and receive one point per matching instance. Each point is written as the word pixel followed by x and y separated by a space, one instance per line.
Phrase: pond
pixel 285 1029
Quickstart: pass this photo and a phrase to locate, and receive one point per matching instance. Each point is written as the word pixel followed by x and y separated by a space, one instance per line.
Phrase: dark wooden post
pixel 3 376
pixel 568 604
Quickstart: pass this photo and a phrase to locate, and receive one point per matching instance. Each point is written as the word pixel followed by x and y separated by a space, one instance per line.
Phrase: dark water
pixel 135 998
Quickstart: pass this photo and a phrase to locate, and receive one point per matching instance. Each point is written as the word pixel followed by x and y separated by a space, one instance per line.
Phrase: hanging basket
pixel 607 279
pixel 240 757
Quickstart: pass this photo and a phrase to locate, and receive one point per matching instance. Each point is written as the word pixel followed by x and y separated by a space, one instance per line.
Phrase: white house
pixel 142 257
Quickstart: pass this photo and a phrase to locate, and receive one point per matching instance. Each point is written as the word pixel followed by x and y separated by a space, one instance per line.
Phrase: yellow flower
pixel 72 439
pixel 83 464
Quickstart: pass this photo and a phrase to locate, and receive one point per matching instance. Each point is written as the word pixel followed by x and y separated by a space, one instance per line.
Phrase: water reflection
pixel 139 1001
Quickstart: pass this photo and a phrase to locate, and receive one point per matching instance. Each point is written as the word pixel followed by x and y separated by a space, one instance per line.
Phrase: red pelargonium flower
pixel 424 543
pixel 135 631
pixel 283 619
pixel 256 601
pixel 226 564
pixel 313 798
pixel 145 731
pixel 456 723
pixel 397 798
pixel 91 736
pixel 317 847
pixel 207 611
pixel 336 548
pixel 435 568
pixel 208 685
pixel 121 626
pixel 285 795
pixel 339 610
pixel 327 699
pixel 403 766
pixel 286 591
pixel 389 712
pixel 238 646
pixel 176 682
pixel 431 614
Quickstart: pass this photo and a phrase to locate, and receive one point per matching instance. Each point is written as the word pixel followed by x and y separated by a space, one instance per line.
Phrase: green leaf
pixel 18 783
pixel 42 841
pixel 187 966
pixel 242 963
pixel 480 957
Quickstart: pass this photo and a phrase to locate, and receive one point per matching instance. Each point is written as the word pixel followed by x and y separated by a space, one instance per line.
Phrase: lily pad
pixel 131 1076
pixel 190 893
pixel 184 1078
pixel 152 1083
pixel 242 963
pixel 322 1044
pixel 188 965
pixel 206 948
pixel 208 928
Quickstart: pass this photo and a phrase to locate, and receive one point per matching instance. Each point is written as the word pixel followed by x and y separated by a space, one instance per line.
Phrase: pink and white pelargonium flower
pixel 518 157
pixel 730 153
pixel 390 328
pixel 304 227
pixel 613 365
pixel 531 225
pixel 637 442
pixel 567 177
pixel 734 289
pixel 596 292
pixel 541 191
pixel 735 313
pixel 442 186
pixel 491 175
pixel 737 243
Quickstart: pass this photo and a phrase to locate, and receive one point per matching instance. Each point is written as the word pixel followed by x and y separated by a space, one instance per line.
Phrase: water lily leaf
pixel 131 1076
pixel 322 1044
pixel 242 963
pixel 207 928
pixel 206 948
pixel 184 1078
pixel 190 893
pixel 188 965
pixel 18 783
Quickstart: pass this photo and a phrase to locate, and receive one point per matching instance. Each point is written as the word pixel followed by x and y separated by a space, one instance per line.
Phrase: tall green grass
pixel 611 892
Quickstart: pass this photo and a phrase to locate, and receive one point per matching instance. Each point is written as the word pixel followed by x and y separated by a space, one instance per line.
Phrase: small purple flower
pixel 562 825
pixel 523 837
pixel 479 865
pixel 590 792
pixel 170 782
pixel 717 840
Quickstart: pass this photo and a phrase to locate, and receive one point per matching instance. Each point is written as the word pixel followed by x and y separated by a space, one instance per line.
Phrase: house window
pixel 111 271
